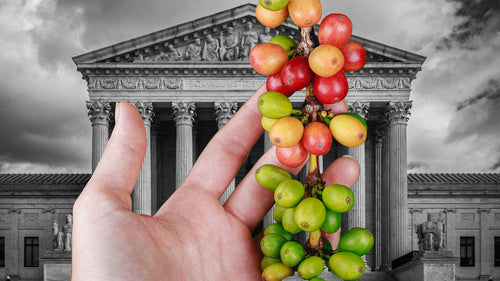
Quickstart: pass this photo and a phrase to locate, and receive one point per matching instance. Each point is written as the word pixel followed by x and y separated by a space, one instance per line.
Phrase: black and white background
pixel 44 128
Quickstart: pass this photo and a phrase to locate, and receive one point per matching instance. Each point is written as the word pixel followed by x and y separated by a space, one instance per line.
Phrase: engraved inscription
pixel 221 84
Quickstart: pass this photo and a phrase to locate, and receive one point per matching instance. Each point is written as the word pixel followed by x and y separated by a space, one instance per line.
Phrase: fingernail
pixel 117 111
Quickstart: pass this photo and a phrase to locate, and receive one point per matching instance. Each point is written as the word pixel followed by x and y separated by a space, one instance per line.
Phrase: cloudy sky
pixel 455 121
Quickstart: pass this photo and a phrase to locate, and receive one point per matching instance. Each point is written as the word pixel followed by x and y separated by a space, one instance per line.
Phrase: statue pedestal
pixel 427 266
pixel 56 266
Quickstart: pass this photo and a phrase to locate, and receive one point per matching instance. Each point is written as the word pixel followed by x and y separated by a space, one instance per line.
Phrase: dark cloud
pixel 479 18
pixel 478 116
pixel 490 94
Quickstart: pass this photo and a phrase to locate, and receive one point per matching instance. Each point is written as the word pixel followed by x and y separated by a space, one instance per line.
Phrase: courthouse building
pixel 187 81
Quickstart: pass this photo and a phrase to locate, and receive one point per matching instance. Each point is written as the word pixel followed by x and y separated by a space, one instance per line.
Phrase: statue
pixel 211 49
pixel 229 45
pixel 249 39
pixel 440 230
pixel 428 233
pixel 193 51
pixel 58 242
pixel 266 36
pixel 431 234
pixel 66 229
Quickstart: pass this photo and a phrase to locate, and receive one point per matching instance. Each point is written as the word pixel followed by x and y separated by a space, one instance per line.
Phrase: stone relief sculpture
pixel 229 45
pixel 249 39
pixel 62 236
pixel 431 234
pixel 211 49
pixel 193 50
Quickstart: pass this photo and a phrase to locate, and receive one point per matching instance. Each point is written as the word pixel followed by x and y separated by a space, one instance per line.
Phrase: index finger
pixel 222 157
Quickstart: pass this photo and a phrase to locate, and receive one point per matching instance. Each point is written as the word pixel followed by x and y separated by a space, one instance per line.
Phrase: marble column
pixel 184 114
pixel 142 193
pixel 379 133
pixel 100 114
pixel 397 114
pixel 223 112
pixel 356 217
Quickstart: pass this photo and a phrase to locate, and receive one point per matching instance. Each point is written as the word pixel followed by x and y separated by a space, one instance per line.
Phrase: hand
pixel 192 236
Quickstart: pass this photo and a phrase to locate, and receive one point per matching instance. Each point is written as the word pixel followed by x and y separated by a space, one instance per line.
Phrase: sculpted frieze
pixel 379 83
pixel 134 83
pixel 232 43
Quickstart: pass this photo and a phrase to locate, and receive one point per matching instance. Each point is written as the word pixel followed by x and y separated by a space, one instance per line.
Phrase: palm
pixel 192 236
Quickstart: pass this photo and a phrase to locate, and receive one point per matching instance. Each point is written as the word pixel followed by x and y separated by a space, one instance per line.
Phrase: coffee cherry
pixel 310 214
pixel 267 123
pixel 288 221
pixel 356 240
pixel 278 212
pixel 275 84
pixel 296 73
pixel 274 105
pixel 317 138
pixel 354 56
pixel 277 228
pixel 292 253
pixel 311 267
pixel 267 58
pixel 270 18
pixel 335 30
pixel 276 272
pixel 271 245
pixel 286 42
pixel 273 5
pixel 326 60
pixel 338 198
pixel 267 261
pixel 270 176
pixel 289 193
pixel 332 221
pixel 305 13
pixel 347 265
pixel 292 156
pixel 330 89
pixel 287 132
pixel 349 129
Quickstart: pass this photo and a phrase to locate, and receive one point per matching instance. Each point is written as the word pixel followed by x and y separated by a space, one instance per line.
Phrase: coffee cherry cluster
pixel 317 63
pixel 316 214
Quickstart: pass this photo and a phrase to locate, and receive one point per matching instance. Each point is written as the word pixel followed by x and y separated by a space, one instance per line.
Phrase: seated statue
pixel 193 51
pixel 229 45
pixel 431 234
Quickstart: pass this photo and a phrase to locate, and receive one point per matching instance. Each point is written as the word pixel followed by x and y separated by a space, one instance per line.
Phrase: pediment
pixel 211 39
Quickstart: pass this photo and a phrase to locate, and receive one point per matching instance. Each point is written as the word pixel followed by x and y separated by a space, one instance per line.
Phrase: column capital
pixel 359 107
pixel 99 112
pixel 146 110
pixel 224 111
pixel 398 112
pixel 184 113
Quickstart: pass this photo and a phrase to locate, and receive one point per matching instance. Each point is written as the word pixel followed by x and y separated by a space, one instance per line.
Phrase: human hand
pixel 192 236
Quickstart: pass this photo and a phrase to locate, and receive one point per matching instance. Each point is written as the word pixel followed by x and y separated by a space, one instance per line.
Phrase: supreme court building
pixel 188 80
